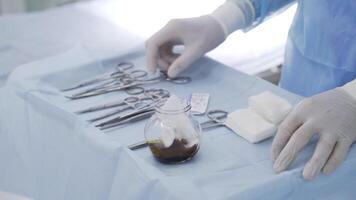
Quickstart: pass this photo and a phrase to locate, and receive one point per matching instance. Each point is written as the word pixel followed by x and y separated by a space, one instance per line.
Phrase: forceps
pixel 120 69
pixel 107 105
pixel 128 82
pixel 132 117
pixel 154 94
pixel 217 118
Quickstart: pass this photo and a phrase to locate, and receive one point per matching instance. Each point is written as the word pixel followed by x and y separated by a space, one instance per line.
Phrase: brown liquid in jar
pixel 177 152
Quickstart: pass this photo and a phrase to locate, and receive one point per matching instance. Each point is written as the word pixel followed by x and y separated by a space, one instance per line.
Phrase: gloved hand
pixel 332 115
pixel 199 35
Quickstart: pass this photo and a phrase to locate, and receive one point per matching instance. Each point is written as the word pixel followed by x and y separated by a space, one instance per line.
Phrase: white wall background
pixel 17 6
pixel 12 6
pixel 258 50
pixel 252 52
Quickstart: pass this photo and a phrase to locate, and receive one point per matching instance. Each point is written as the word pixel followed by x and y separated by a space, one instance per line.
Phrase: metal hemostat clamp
pixel 127 82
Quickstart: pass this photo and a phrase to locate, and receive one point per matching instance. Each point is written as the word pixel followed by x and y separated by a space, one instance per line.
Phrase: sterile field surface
pixel 70 159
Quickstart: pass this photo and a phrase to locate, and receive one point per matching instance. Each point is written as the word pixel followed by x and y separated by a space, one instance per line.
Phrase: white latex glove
pixel 332 115
pixel 198 35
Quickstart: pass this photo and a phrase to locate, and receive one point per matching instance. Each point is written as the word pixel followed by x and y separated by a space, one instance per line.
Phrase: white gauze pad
pixel 270 106
pixel 176 126
pixel 249 125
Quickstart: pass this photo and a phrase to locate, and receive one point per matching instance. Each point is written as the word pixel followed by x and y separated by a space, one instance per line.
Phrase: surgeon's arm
pixel 199 35
pixel 253 11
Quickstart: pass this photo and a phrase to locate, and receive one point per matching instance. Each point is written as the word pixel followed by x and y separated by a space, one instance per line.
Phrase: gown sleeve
pixel 246 14
pixel 350 88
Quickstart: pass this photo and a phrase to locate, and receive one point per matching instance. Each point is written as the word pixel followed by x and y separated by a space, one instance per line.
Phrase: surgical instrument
pixel 115 80
pixel 217 118
pixel 134 103
pixel 120 69
pixel 150 93
pixel 136 80
pixel 144 112
pixel 106 106
pixel 128 82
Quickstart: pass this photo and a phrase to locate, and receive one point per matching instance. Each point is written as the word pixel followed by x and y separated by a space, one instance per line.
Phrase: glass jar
pixel 172 135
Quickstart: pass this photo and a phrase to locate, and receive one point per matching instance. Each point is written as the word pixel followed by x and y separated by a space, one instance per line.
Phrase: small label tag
pixel 199 103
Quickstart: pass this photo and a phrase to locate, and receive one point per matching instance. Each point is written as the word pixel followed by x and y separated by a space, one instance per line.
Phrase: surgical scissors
pixel 120 69
pixel 217 118
pixel 134 103
pixel 144 112
pixel 150 93
pixel 129 82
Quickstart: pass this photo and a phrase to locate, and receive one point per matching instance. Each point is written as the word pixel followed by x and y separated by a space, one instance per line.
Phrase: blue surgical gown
pixel 321 47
